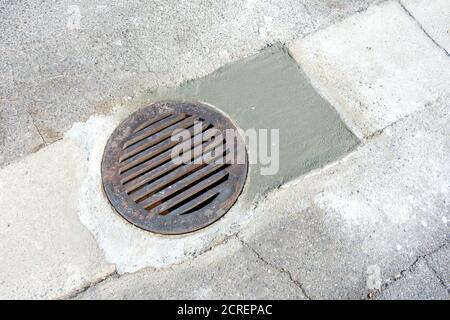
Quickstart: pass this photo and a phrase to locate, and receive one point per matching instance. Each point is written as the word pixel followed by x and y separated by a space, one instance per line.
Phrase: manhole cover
pixel 174 167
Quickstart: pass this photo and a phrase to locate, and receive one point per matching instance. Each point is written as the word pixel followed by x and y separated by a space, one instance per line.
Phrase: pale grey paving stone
pixel 434 17
pixel 45 250
pixel 230 271
pixel 417 283
pixel 439 262
pixel 346 230
pixel 123 48
pixel 375 67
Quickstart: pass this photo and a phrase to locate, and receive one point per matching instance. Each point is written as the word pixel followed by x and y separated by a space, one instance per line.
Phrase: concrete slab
pixel 433 17
pixel 344 231
pixel 375 67
pixel 46 252
pixel 418 283
pixel 232 272
pixel 71 60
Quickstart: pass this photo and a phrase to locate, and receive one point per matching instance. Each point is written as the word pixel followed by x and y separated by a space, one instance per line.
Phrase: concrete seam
pixel 280 269
pixel 88 286
pixel 423 29
pixel 37 129
pixel 441 281
pixel 405 271
pixel 290 40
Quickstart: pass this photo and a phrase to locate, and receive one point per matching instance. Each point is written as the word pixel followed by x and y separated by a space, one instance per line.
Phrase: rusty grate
pixel 174 167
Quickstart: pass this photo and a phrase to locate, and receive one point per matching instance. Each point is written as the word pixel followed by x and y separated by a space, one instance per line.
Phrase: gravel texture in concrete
pixel 419 282
pixel 366 218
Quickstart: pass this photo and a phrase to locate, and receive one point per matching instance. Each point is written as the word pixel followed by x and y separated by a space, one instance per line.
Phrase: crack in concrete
pixel 441 281
pixel 423 29
pixel 404 272
pixel 280 269
pixel 33 121
pixel 91 284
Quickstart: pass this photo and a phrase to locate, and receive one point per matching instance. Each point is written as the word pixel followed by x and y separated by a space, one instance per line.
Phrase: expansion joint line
pixel 281 269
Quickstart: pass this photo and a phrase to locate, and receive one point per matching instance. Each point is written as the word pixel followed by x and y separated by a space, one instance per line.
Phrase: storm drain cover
pixel 174 167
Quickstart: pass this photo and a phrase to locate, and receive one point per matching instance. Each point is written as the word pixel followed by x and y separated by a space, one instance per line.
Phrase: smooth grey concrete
pixel 63 73
pixel 269 91
pixel 419 282
pixel 231 272
pixel 375 67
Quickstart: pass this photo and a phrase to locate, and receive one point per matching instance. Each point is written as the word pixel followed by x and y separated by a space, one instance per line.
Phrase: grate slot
pixel 176 174
pixel 153 129
pixel 153 151
pixel 195 189
pixel 158 137
pixel 151 121
pixel 141 175
pixel 198 202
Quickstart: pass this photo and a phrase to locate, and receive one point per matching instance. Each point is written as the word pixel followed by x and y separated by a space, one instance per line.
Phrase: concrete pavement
pixel 371 224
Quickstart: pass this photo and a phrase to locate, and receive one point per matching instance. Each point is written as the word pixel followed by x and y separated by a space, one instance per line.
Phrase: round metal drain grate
pixel 174 167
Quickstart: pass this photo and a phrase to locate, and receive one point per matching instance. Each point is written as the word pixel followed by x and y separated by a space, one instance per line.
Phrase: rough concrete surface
pixel 373 224
pixel 347 230
pixel 46 252
pixel 418 283
pixel 375 67
pixel 16 123
pixel 340 232
pixel 231 272
pixel 130 248
pixel 433 17
pixel 439 262
pixel 68 60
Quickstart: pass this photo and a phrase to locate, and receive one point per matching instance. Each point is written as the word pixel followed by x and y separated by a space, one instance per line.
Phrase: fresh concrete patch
pixel 375 67
pixel 269 91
